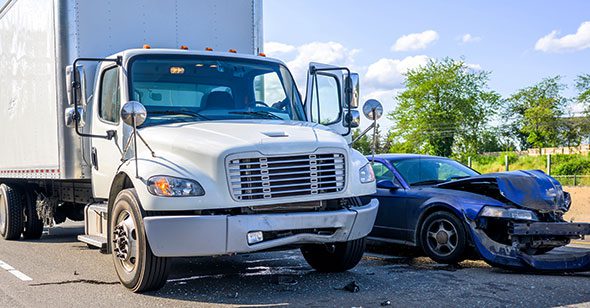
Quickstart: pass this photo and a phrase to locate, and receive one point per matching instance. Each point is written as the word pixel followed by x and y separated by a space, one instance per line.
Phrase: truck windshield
pixel 203 88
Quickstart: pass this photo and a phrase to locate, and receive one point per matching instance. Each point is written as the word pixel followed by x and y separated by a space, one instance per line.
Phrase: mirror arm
pixel 363 133
pixel 76 84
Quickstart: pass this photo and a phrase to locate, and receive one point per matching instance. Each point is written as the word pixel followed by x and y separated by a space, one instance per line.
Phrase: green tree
pixel 363 144
pixel 444 109
pixel 536 112
pixel 583 87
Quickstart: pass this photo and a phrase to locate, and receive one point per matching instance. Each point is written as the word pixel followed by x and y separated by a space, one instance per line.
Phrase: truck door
pixel 105 155
pixel 326 101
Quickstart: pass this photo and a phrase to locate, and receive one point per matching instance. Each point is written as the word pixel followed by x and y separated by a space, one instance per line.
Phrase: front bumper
pixel 187 236
pixel 559 259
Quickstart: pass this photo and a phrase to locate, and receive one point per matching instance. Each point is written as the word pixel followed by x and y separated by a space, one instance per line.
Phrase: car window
pixel 383 173
pixel 424 171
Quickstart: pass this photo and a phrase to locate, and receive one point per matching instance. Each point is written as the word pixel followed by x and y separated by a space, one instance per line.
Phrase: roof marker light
pixel 147 46
pixel 183 47
pixel 262 54
pixel 208 49
pixel 233 51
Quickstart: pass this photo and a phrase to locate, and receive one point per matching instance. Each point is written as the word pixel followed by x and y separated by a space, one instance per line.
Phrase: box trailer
pixel 164 127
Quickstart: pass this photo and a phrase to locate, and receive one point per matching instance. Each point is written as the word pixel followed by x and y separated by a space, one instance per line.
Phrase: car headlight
pixel 167 186
pixel 499 212
pixel 366 174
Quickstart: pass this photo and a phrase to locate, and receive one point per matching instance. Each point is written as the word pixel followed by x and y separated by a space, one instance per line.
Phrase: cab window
pixel 110 102
pixel 325 100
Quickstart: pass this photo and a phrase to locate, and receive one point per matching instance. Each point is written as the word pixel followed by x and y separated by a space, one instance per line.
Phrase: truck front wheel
pixel 334 257
pixel 11 213
pixel 137 267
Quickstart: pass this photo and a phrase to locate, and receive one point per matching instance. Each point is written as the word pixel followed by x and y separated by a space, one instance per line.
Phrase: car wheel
pixel 334 257
pixel 137 267
pixel 443 238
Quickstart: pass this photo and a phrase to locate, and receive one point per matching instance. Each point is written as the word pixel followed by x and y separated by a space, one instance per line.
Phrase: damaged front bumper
pixel 560 259
pixel 207 235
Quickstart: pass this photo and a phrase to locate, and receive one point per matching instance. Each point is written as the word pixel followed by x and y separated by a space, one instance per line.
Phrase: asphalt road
pixel 65 273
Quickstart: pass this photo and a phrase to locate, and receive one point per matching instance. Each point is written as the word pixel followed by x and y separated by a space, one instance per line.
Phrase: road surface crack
pixel 88 281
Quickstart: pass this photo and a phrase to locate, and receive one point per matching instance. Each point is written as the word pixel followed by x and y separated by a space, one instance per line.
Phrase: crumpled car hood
pixel 531 189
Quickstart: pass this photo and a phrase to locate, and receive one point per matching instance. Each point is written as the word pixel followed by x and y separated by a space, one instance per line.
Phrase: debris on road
pixel 352 287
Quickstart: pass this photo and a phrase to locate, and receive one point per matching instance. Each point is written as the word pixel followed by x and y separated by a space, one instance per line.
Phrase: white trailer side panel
pixel 29 142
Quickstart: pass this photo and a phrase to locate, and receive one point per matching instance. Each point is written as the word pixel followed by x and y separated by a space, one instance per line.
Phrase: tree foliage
pixel 443 110
pixel 536 113
pixel 583 87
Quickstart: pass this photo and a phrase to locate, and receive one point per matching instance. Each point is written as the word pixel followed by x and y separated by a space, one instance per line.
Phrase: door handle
pixel 94 158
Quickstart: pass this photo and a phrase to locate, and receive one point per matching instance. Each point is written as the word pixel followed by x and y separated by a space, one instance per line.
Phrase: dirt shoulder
pixel 580 209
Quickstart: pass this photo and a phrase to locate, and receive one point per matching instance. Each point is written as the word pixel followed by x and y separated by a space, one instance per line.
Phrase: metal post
pixel 548 164
pixel 374 137
pixel 506 163
pixel 575 180
pixel 469 161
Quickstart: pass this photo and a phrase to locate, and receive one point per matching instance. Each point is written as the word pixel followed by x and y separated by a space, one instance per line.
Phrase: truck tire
pixel 11 213
pixel 334 257
pixel 137 267
pixel 33 226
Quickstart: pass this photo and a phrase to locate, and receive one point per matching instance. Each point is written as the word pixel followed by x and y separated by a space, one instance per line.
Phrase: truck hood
pixel 531 189
pixel 219 138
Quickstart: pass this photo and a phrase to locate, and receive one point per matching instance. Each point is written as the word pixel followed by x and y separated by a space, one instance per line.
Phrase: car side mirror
pixel 388 184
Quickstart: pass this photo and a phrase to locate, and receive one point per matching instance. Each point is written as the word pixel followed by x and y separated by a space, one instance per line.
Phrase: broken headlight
pixel 500 212
pixel 167 186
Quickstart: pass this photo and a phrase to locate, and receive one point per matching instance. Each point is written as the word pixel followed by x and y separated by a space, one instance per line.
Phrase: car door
pixel 392 221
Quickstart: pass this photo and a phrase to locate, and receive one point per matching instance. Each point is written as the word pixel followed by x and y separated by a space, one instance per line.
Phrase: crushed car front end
pixel 528 230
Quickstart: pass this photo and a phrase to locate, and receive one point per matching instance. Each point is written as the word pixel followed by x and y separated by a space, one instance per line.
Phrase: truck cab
pixel 221 156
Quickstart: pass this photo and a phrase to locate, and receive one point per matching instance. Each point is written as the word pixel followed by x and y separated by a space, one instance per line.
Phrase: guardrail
pixel 573 180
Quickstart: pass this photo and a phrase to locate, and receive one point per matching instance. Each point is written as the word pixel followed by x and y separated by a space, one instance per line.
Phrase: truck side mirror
pixel 133 113
pixel 353 82
pixel 70 114
pixel 80 77
pixel 373 109
pixel 353 118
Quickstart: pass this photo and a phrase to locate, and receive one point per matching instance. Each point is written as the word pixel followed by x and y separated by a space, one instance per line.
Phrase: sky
pixel 519 42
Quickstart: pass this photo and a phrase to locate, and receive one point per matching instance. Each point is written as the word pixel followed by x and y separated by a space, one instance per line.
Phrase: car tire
pixel 137 267
pixel 11 213
pixel 334 257
pixel 443 238
pixel 32 225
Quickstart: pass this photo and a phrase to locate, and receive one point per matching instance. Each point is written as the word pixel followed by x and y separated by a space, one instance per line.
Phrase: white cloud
pixel 415 41
pixel 273 48
pixel 473 66
pixel 323 52
pixel 388 73
pixel 468 38
pixel 570 42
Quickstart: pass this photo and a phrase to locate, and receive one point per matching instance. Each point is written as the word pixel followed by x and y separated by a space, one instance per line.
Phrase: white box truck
pixel 141 119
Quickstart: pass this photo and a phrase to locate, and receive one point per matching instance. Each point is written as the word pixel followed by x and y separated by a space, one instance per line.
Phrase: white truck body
pixel 40 38
pixel 220 166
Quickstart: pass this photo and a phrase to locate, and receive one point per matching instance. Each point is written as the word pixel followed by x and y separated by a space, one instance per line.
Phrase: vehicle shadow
pixel 65 233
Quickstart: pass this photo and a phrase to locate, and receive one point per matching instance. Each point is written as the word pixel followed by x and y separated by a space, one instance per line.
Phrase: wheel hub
pixel 125 241
pixel 442 237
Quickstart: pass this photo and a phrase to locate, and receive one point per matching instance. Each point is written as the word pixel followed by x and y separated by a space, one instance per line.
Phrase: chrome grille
pixel 285 176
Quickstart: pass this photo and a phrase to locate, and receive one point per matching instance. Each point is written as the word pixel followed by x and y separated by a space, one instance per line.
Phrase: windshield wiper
pixel 180 112
pixel 458 177
pixel 427 182
pixel 260 113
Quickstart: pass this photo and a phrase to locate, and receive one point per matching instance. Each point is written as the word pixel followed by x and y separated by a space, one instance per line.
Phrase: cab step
pixel 95 225
pixel 94 240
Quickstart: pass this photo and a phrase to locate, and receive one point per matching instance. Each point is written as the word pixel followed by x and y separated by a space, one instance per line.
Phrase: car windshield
pixel 430 171
pixel 203 88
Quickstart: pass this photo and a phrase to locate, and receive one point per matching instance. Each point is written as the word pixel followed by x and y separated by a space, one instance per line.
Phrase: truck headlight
pixel 167 186
pixel 499 212
pixel 366 174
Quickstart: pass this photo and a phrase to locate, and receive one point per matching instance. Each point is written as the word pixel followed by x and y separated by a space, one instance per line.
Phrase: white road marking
pixel 18 274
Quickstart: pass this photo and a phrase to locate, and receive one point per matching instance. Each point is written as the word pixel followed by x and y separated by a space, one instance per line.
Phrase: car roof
pixel 404 156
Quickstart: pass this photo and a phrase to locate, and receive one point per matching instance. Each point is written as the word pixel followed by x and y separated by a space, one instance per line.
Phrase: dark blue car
pixel 512 219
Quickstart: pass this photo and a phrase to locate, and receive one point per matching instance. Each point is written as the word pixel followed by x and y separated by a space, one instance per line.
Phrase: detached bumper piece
pixel 207 235
pixel 562 259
